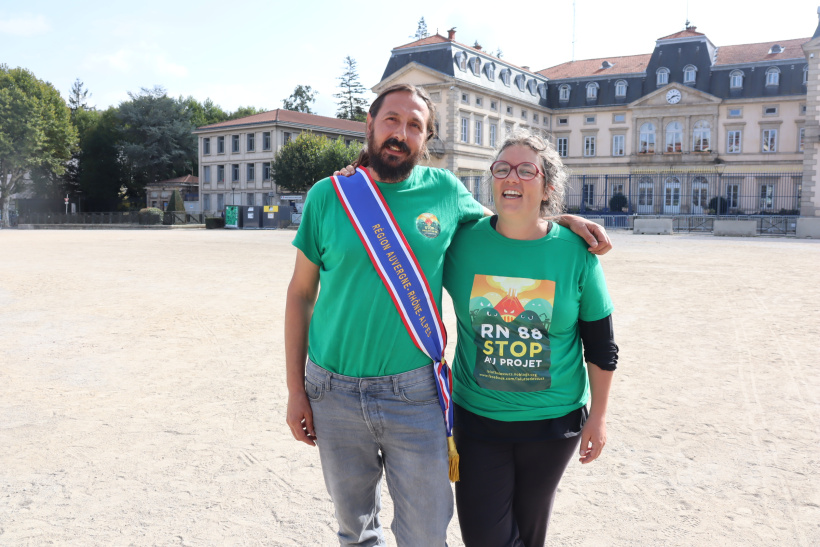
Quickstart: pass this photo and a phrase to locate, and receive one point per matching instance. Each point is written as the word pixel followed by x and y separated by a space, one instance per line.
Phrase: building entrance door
pixel 700 195
pixel 646 189
pixel 671 203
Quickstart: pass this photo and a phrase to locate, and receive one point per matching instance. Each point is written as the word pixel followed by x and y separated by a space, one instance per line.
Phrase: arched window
pixel 647 136
pixel 542 91
pixel 592 90
pixel 674 137
pixel 773 76
pixel 662 76
pixel 620 88
pixel 532 86
pixel 806 75
pixel 563 93
pixel 461 61
pixel 489 70
pixel 475 66
pixel 689 73
pixel 519 82
pixel 702 137
pixel 736 79
pixel 505 77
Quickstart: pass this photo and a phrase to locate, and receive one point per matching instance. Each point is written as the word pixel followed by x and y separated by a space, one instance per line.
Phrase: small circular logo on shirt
pixel 428 225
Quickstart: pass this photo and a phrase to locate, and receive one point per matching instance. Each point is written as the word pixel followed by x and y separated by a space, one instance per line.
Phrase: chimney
pixel 526 68
pixel 451 34
pixel 477 45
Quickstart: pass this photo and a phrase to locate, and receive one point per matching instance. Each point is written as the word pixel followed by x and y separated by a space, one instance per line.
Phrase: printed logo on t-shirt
pixel 511 318
pixel 428 225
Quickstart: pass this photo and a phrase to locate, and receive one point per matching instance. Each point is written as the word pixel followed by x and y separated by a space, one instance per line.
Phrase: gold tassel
pixel 453 456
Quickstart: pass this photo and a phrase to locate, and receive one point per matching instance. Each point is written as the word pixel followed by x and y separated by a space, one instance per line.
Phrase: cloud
pixel 164 66
pixel 24 26
pixel 141 59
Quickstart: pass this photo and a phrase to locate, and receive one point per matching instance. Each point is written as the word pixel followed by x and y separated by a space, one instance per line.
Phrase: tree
pixel 309 158
pixel 243 111
pixel 156 139
pixel 421 30
pixel 35 131
pixel 205 113
pixel 101 167
pixel 78 97
pixel 300 99
pixel 352 104
pixel 175 204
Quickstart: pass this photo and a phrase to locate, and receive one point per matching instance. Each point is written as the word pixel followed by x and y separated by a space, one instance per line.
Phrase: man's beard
pixel 391 169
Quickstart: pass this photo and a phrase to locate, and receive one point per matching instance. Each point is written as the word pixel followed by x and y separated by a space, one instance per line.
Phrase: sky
pixel 253 53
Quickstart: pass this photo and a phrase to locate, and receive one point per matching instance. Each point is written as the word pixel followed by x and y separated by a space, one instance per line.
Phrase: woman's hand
pixel 593 438
pixel 593 233
pixel 345 171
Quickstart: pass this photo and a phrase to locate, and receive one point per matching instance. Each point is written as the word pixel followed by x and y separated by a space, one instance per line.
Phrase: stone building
pixel 235 156
pixel 690 128
pixel 157 194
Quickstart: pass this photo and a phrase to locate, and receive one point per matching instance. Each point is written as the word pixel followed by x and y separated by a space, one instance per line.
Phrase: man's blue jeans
pixel 364 425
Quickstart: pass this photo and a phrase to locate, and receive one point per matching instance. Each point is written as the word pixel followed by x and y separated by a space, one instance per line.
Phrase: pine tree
pixel 421 30
pixel 352 104
pixel 78 97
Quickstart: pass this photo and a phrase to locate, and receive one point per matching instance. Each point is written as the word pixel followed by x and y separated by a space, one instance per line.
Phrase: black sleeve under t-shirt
pixel 600 348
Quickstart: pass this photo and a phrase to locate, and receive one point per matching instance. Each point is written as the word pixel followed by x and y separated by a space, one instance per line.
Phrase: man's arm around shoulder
pixel 302 291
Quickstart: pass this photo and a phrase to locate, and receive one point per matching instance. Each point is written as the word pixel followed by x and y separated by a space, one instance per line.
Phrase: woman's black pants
pixel 506 491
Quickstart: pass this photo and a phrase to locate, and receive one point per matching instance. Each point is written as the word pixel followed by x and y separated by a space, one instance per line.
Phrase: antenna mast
pixel 573 30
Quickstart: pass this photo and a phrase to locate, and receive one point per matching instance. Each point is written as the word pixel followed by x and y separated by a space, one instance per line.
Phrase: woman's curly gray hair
pixel 556 175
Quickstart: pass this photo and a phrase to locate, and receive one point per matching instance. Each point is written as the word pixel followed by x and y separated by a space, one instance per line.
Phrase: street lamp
pixel 233 193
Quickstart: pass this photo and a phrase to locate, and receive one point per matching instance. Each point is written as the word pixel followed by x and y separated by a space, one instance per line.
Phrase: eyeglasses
pixel 525 170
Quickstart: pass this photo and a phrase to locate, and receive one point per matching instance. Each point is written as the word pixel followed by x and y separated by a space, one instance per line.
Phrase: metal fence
pixel 694 200
pixel 672 193
pixel 128 217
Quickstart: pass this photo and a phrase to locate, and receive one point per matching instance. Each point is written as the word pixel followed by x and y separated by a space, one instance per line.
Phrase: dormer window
pixel 519 82
pixel 736 79
pixel 542 91
pixel 592 91
pixel 605 65
pixel 475 66
pixel 505 77
pixel 620 88
pixel 489 70
pixel 563 93
pixel 531 86
pixel 662 76
pixel 689 73
pixel 461 61
pixel 806 75
pixel 777 48
pixel 773 76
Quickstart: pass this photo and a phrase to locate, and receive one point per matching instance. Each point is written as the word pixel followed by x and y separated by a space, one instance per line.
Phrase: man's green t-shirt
pixel 355 329
pixel 518 303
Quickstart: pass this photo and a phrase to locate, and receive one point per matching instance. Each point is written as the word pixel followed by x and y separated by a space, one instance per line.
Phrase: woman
pixel 526 293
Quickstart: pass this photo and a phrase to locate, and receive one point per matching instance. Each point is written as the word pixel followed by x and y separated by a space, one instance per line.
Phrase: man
pixel 362 390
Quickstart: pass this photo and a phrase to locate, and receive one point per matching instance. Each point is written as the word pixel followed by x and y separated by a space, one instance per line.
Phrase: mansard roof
pixel 688 32
pixel 289 116
pixel 434 39
pixel 439 39
pixel 589 68
pixel 759 52
pixel 632 64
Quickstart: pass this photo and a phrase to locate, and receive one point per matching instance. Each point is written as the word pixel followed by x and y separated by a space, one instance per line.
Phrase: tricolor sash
pixel 401 274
